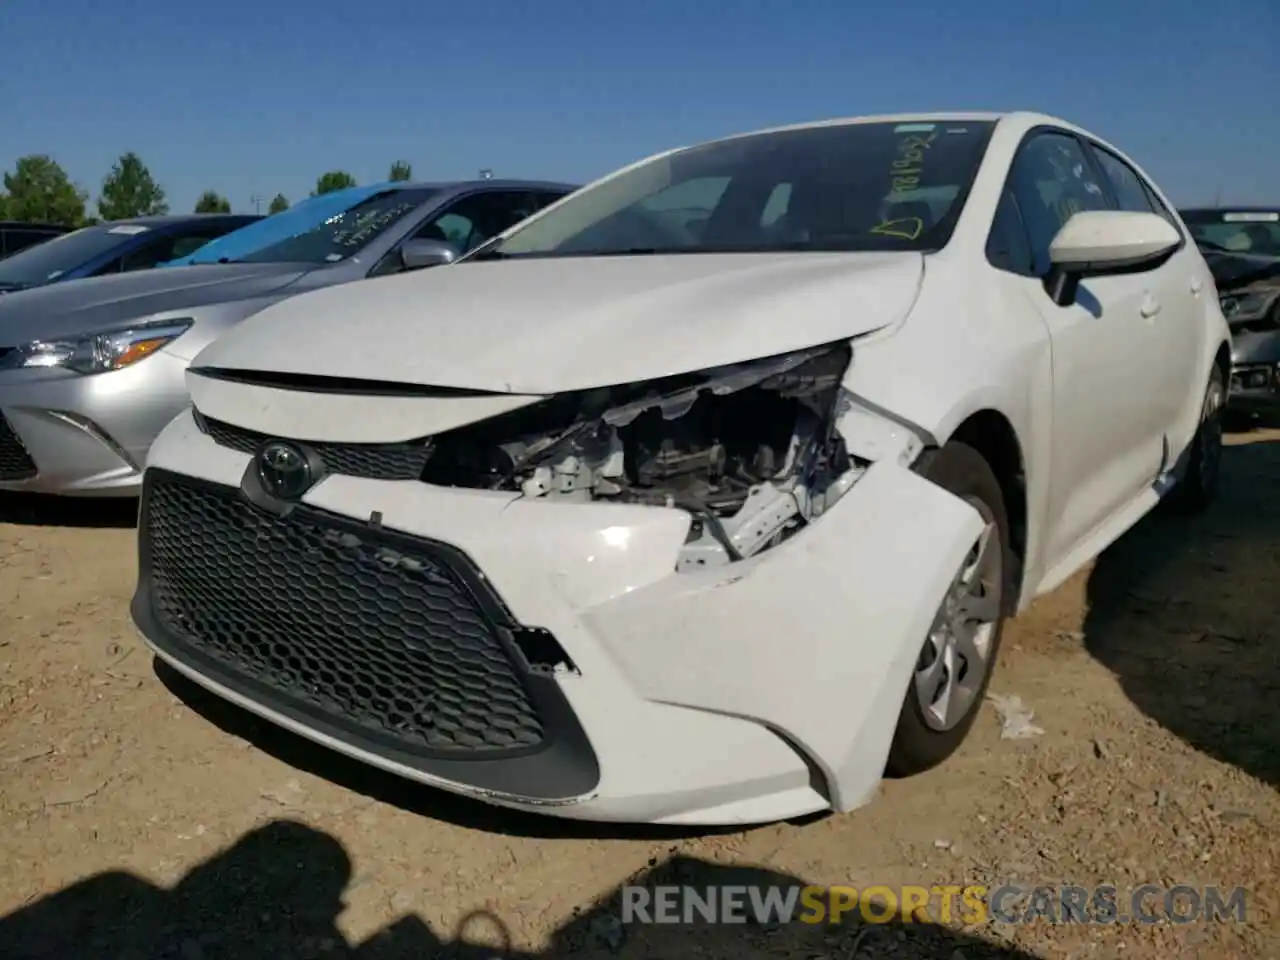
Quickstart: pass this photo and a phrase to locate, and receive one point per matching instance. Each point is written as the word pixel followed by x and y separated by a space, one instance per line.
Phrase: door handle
pixel 1150 307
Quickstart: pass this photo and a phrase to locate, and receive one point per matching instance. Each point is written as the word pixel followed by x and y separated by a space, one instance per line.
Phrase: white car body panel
pixel 771 686
pixel 551 330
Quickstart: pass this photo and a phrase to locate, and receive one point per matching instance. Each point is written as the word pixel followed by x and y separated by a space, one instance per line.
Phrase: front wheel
pixel 955 664
pixel 1199 486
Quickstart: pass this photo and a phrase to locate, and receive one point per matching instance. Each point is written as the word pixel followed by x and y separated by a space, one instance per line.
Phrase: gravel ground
pixel 141 819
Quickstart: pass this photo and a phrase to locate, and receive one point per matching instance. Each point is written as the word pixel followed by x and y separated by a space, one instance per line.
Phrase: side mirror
pixel 417 254
pixel 1097 243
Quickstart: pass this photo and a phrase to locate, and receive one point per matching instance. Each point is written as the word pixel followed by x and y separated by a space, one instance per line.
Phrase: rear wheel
pixel 1199 486
pixel 955 664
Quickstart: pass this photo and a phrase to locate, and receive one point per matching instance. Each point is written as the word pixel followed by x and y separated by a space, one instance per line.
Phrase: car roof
pixel 1022 120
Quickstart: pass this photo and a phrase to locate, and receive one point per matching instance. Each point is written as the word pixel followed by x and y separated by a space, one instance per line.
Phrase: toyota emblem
pixel 284 470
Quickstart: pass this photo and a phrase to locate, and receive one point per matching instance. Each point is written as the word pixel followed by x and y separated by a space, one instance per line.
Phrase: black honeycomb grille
pixel 328 618
pixel 15 462
pixel 373 461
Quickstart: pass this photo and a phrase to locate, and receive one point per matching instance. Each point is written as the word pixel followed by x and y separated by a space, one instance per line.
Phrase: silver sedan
pixel 92 370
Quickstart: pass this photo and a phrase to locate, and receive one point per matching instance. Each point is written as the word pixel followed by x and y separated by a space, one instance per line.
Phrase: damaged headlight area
pixel 750 450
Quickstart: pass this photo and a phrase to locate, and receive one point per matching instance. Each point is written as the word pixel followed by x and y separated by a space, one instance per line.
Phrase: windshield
pixel 341 233
pixel 860 186
pixel 47 261
pixel 1249 233
pixel 302 216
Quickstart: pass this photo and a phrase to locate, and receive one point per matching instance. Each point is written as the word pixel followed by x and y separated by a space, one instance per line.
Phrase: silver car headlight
pixel 97 352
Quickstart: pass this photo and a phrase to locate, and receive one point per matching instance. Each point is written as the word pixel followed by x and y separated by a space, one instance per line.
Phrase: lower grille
pixel 327 616
pixel 15 462
pixel 373 461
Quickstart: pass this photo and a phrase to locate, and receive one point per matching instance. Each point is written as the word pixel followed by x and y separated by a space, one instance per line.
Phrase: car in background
pixel 1242 247
pixel 16 235
pixel 119 246
pixel 91 371
pixel 701 496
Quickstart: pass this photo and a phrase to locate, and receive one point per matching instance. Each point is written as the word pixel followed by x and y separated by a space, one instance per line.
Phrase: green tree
pixel 130 191
pixel 401 170
pixel 39 190
pixel 333 180
pixel 279 204
pixel 213 202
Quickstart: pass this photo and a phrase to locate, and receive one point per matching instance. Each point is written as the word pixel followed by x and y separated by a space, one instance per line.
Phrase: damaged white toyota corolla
pixel 702 495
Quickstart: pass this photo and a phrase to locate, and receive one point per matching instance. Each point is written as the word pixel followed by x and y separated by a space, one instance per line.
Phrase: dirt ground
pixel 140 818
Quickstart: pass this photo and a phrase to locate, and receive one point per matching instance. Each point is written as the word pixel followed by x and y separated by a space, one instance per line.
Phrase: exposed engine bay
pixel 750 451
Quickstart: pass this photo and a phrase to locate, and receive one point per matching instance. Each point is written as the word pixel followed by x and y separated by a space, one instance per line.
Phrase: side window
pixel 1127 186
pixel 776 206
pixel 1007 246
pixel 542 199
pixel 187 244
pixel 148 255
pixel 453 227
pixel 1052 180
pixel 474 219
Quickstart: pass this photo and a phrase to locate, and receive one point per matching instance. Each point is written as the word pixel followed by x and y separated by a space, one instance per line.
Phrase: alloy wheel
pixel 956 656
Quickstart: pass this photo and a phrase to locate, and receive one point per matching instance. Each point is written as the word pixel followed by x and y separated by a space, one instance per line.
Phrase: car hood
pixel 99 303
pixel 542 326
pixel 1234 271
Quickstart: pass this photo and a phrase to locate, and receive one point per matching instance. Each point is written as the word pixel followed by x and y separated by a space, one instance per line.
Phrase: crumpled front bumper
pixel 760 690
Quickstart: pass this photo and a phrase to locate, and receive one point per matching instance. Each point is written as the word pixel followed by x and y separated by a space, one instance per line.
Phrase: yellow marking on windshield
pixel 904 228
pixel 904 174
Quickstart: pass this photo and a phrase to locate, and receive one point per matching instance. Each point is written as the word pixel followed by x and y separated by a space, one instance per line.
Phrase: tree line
pixel 38 190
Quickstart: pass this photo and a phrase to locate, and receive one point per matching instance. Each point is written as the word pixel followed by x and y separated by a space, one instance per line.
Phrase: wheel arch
pixel 992 434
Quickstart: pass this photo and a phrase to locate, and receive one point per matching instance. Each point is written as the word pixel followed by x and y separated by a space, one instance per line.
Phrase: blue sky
pixel 261 96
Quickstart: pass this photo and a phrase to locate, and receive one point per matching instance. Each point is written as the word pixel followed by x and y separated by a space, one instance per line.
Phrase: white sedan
pixel 701 496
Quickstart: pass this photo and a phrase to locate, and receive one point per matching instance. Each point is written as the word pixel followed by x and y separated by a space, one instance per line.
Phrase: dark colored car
pixel 16 235
pixel 121 246
pixel 1242 247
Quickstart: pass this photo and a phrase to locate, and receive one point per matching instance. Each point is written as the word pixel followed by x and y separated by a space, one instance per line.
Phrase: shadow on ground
pixel 277 894
pixel 1186 612
pixel 302 754
pixel 37 510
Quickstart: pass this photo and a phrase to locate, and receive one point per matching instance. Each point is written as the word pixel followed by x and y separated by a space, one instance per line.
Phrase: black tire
pixel 917 747
pixel 1199 485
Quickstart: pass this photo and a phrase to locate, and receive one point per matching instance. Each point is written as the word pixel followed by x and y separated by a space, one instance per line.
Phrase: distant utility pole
pixel 257 202
pixel 486 174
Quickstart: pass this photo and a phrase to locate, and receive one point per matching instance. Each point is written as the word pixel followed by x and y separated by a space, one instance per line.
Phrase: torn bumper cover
pixel 706 597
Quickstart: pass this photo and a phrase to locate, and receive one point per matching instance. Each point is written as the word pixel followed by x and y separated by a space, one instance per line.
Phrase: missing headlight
pixel 750 451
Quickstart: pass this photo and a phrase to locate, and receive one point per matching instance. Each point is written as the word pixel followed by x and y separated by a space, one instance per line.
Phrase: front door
pixel 1109 423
